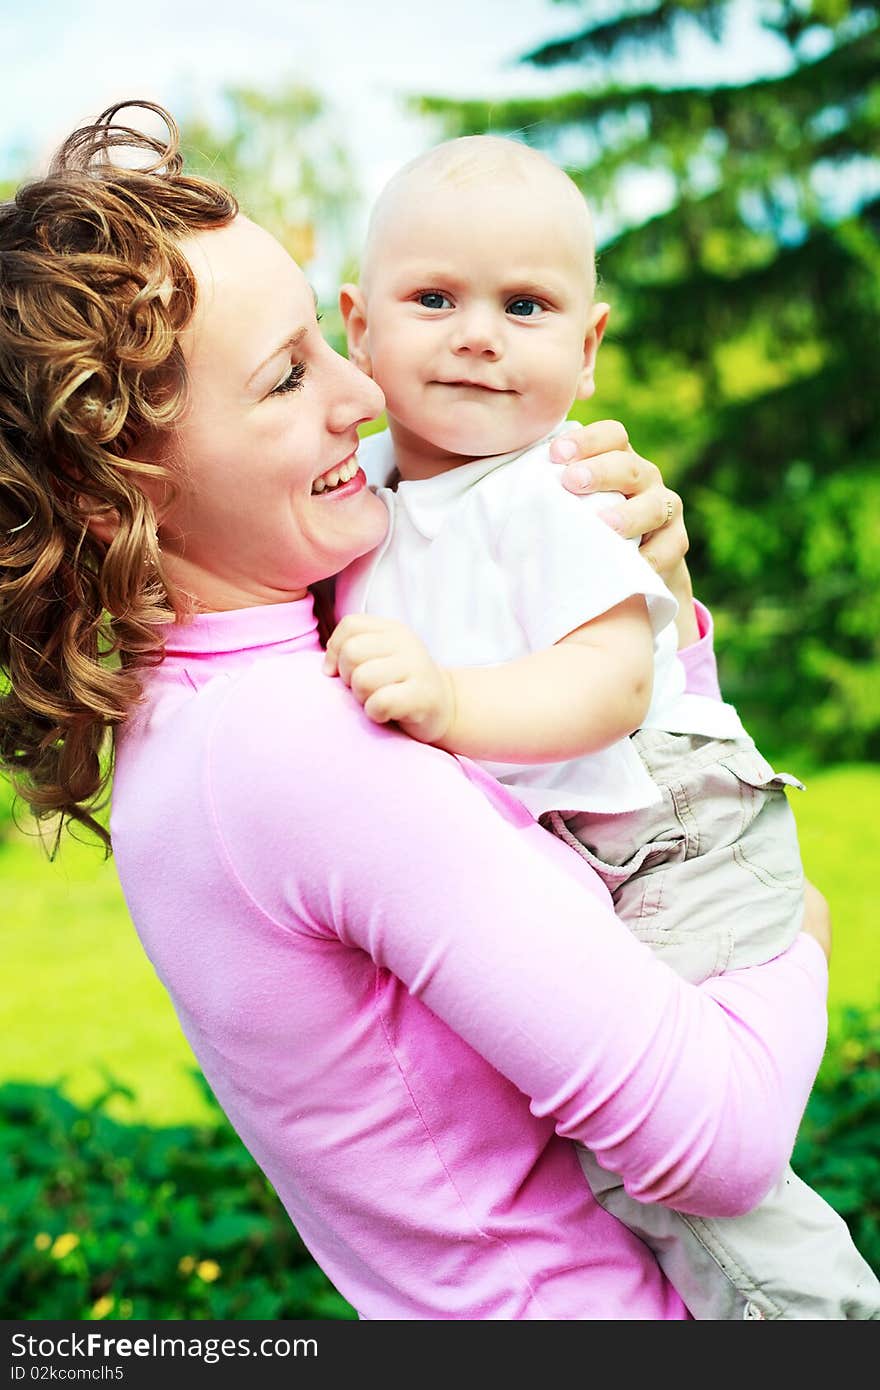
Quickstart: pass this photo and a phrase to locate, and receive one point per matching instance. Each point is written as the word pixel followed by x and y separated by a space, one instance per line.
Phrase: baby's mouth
pixel 478 386
pixel 335 477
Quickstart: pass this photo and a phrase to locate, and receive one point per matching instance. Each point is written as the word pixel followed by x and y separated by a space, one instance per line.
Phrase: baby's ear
pixel 598 322
pixel 353 308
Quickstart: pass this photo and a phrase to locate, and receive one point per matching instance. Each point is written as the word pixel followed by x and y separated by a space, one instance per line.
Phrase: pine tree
pixel 749 310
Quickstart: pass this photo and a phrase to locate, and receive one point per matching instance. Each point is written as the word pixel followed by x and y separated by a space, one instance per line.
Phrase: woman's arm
pixel 693 1094
pixel 698 657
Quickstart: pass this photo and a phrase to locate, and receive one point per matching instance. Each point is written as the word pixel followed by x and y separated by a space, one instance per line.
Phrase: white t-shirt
pixel 494 560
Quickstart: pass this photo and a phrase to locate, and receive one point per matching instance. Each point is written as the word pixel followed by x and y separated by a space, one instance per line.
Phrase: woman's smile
pixel 335 478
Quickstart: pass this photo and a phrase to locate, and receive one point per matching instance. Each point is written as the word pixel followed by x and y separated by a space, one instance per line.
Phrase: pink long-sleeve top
pixel 409 998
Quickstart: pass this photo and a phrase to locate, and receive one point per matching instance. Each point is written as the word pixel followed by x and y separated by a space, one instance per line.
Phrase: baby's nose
pixel 476 332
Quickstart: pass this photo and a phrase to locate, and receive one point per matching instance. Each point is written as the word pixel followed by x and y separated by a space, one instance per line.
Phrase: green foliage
pixel 279 154
pixel 759 285
pixel 99 1219
pixel 283 157
pixel 838 1147
pixel 7 801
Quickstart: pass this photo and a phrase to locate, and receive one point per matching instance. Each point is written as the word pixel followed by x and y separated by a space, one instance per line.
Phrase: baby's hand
pixel 393 675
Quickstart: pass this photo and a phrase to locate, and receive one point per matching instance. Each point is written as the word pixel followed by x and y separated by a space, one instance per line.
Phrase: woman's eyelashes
pixel 294 376
pixel 291 381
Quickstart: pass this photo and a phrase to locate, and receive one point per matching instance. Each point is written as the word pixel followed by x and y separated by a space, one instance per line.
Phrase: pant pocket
pixel 751 767
pixel 767 845
pixel 641 858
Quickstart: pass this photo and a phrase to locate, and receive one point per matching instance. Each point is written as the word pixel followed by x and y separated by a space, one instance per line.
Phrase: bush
pixel 6 800
pixel 838 1147
pixel 101 1219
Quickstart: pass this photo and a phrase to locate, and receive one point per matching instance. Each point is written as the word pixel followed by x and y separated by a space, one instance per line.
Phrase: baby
pixel 541 643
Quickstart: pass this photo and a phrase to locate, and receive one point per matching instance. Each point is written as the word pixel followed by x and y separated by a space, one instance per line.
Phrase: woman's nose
pixel 356 398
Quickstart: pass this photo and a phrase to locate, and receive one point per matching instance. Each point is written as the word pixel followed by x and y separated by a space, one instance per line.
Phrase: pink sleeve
pixel 693 1094
pixel 699 658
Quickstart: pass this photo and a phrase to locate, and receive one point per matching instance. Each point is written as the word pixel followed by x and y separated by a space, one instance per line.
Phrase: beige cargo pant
pixel 711 880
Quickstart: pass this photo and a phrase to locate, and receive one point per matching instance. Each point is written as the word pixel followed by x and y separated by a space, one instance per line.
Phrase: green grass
pixel 80 997
pixel 839 831
pixel 80 1000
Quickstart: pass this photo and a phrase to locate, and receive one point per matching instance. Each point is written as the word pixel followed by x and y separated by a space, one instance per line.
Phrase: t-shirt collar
pixel 241 628
pixel 428 501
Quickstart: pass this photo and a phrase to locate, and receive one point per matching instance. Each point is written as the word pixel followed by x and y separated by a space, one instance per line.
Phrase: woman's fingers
pixel 665 549
pixel 602 460
pixel 613 470
pixel 647 513
pixel 586 441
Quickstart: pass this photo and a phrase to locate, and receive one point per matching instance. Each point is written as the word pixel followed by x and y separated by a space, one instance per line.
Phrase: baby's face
pixel 480 316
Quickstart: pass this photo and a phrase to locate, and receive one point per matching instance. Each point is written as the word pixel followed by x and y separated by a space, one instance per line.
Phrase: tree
pixel 748 313
pixel 280 154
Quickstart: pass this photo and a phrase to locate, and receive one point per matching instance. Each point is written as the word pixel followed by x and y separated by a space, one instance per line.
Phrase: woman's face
pixel 272 419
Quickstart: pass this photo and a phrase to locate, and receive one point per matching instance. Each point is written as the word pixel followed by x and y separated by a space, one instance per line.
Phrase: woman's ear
pixel 353 307
pixel 598 322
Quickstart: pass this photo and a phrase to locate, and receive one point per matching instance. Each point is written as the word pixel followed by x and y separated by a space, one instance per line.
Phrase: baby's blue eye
pixel 433 299
pixel 524 308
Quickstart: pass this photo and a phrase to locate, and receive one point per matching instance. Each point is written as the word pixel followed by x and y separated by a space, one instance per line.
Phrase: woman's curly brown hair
pixel 94 292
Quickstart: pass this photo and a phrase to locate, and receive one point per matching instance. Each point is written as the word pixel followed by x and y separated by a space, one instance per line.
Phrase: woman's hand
pixel 600 458
pixel 817 917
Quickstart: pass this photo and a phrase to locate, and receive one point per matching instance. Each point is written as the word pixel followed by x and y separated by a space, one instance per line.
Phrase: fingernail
pixel 563 450
pixel 612 519
pixel 582 476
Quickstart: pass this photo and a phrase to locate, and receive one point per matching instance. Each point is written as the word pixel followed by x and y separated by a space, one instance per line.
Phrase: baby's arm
pixel 587 691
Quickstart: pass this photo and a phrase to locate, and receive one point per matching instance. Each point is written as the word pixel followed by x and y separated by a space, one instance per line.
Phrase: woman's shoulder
pixel 283 707
pixel 307 797
pixel 298 738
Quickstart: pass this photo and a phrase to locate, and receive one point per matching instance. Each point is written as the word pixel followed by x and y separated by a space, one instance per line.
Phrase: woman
pixel 406 996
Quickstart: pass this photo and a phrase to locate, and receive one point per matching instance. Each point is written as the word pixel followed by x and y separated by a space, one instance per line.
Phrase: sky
pixel 64 62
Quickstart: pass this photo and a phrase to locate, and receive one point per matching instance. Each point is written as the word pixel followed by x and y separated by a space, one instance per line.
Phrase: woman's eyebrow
pixel 289 343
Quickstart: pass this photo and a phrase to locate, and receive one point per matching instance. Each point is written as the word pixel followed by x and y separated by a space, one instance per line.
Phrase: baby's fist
pixel 390 671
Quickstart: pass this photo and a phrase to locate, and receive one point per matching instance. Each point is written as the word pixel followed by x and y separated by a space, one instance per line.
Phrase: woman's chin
pixel 365 521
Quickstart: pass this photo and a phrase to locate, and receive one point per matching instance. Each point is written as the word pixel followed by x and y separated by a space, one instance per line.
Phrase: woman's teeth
pixel 343 474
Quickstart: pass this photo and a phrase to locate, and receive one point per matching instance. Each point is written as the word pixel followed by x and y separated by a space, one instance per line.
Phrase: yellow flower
pixel 209 1270
pixel 853 1050
pixel 43 1240
pixel 103 1306
pixel 64 1244
pixel 186 1264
